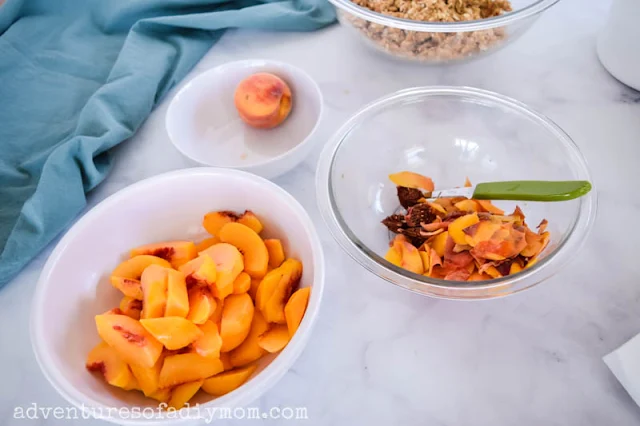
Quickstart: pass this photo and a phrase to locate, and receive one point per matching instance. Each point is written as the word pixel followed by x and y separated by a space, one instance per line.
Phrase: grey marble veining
pixel 380 355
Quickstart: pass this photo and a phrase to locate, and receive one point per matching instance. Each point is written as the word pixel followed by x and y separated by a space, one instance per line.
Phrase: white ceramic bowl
pixel 74 284
pixel 204 125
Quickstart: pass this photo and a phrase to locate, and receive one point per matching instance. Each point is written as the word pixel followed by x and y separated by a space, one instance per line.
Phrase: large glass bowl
pixel 449 133
pixel 439 42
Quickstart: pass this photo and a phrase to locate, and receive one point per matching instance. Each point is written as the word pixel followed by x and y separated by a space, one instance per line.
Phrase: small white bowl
pixel 203 123
pixel 74 284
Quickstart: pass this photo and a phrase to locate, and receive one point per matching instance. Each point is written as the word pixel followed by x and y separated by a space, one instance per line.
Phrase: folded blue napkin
pixel 77 77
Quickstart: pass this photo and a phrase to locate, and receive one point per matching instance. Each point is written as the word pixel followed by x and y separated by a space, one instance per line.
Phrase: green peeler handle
pixel 532 190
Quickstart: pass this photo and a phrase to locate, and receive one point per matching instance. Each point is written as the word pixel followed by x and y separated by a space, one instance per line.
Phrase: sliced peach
pixel 161 395
pixel 456 228
pixel 154 291
pixel 105 359
pixel 216 317
pixel 276 252
pixel 214 221
pixel 242 283
pixel 189 367
pixel 249 219
pixel 439 243
pixel 177 296
pixel 249 350
pixel 274 339
pixel 477 276
pixel 481 231
pixel 225 358
pixel 434 261
pixel 237 314
pixel 295 308
pixel 133 268
pixel 394 255
pixel 201 270
pixel 181 394
pixel 269 284
pixel 173 332
pixel 437 206
pixel 229 264
pixel 128 286
pixel 201 304
pixel 467 182
pixel 147 377
pixel 255 283
pixel 411 259
pixel 131 307
pixel 426 259
pixel 223 383
pixel 467 206
pixel 514 268
pixel 487 206
pixel 535 243
pixel 209 344
pixel 263 100
pixel 256 256
pixel 412 180
pixel 273 306
pixel 206 243
pixel 129 338
pixel 176 252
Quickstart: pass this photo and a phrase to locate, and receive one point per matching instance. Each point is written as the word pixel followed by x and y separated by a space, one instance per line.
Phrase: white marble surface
pixel 380 355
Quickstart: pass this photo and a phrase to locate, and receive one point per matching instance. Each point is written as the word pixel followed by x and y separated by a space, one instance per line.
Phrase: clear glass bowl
pixel 448 133
pixel 439 42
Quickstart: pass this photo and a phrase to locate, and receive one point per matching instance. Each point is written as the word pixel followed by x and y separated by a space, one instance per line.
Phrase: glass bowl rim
pixel 439 27
pixel 572 242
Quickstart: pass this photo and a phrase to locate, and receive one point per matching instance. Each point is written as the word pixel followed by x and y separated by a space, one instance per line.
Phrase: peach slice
pixel 133 268
pixel 487 206
pixel 225 358
pixel 249 350
pixel 394 255
pixel 129 338
pixel 206 243
pixel 209 344
pixel 201 304
pixel 223 383
pixel 412 180
pixel 189 367
pixel 256 256
pixel 276 252
pixel 274 339
pixel 514 268
pixel 173 332
pixel 467 182
pixel 263 100
pixel 411 260
pixel 295 308
pixel 255 283
pixel 477 276
pixel 456 228
pixel 161 395
pixel 242 283
pixel 131 307
pixel 177 296
pixel 154 291
pixel 467 206
pixel 216 316
pixel 535 243
pixel 201 270
pixel 249 219
pixel 147 377
pixel 439 243
pixel 273 305
pixel 229 263
pixel 128 286
pixel 481 231
pixel 237 314
pixel 181 394
pixel 426 259
pixel 176 252
pixel 105 359
pixel 214 221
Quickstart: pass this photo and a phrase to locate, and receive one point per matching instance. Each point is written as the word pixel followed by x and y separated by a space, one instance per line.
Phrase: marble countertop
pixel 380 355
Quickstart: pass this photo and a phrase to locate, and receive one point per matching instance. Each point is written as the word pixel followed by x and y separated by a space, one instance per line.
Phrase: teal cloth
pixel 77 77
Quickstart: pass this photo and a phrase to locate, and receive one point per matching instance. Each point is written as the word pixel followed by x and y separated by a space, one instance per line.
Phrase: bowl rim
pixel 439 27
pixel 256 62
pixel 261 382
pixel 543 269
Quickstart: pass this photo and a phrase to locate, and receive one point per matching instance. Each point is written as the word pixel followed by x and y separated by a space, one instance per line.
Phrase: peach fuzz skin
pixel 263 100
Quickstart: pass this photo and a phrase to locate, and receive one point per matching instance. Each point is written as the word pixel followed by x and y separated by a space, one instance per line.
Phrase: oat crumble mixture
pixel 431 45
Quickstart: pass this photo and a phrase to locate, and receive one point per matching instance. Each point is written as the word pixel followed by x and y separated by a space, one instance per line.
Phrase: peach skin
pixel 263 100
